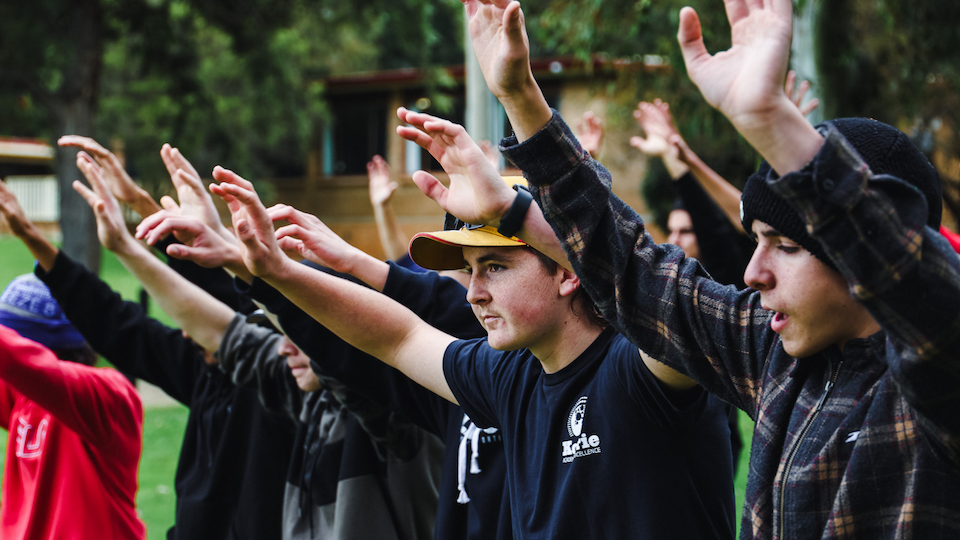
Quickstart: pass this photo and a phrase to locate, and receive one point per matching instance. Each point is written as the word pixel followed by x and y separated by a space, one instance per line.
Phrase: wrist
pixel 527 110
pixel 143 204
pixel 782 136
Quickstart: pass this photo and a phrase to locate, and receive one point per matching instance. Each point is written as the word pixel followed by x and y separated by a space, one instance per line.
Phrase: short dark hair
pixel 580 296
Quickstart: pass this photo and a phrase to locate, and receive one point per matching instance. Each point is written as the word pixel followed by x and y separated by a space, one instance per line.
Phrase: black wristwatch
pixel 512 222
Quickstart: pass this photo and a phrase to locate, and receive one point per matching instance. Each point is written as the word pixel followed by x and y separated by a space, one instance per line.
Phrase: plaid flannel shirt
pixel 861 443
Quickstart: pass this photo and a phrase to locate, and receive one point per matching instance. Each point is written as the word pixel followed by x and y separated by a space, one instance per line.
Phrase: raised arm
pixel 477 194
pixel 500 42
pixel 313 240
pixel 590 132
pixel 746 82
pixel 382 188
pixel 25 230
pixel 121 185
pixel 200 315
pixel 364 318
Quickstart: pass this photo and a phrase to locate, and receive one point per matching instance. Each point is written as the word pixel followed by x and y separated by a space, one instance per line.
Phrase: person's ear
pixel 569 282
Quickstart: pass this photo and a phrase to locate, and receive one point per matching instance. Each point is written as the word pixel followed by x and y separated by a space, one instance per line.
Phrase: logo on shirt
pixel 580 444
pixel 30 440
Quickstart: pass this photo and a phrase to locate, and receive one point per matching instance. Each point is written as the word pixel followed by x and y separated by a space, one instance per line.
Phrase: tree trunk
pixel 77 102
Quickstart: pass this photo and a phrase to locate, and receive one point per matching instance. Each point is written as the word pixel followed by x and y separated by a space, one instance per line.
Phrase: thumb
pixel 690 37
pixel 169 204
pixel 513 24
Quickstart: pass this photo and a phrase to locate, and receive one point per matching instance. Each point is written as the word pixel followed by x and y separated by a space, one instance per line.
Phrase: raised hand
pixel 313 240
pixel 194 198
pixel 656 126
pixel 590 133
pixel 12 213
pixel 111 227
pixel 746 82
pixel 500 42
pixel 201 244
pixel 796 93
pixel 252 224
pixel 114 175
pixel 477 194
pixel 381 186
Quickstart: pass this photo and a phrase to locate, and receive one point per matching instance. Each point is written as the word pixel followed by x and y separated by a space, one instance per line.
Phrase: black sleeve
pixel 724 251
pixel 439 301
pixel 215 281
pixel 122 333
pixel 248 355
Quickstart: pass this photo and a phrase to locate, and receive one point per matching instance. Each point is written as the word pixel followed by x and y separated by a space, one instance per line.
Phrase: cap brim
pixel 443 250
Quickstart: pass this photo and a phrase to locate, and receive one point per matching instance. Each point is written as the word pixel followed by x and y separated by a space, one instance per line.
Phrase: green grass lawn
pixel 163 428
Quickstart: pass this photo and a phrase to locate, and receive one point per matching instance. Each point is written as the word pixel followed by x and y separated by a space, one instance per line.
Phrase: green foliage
pixel 896 62
pixel 229 83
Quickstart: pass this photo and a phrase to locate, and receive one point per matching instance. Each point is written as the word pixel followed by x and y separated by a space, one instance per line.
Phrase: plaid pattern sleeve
pixel 664 303
pixel 907 275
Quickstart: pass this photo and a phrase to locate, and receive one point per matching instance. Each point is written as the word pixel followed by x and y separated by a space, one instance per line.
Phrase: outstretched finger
pixel 241 194
pixel 183 163
pixel 87 144
pixel 431 187
pixel 293 231
pixel 226 175
pixel 810 106
pixel 93 175
pixel 288 243
pixel 415 135
pixel 171 224
pixel 85 192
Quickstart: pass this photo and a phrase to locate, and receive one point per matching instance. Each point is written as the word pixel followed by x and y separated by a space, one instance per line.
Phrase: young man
pixel 74 430
pixel 595 444
pixel 846 352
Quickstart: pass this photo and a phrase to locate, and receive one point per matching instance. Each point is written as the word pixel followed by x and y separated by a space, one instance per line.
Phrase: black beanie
pixel 885 149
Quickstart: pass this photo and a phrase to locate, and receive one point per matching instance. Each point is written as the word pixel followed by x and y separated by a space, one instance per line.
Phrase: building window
pixel 357 133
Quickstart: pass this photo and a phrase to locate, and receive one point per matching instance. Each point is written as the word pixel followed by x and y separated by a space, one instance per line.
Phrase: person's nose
pixel 477 292
pixel 758 274
pixel 674 238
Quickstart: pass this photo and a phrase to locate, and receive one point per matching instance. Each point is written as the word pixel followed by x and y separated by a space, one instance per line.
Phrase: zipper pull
pixel 823 398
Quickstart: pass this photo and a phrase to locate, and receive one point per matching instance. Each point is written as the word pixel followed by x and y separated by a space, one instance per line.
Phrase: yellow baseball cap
pixel 443 250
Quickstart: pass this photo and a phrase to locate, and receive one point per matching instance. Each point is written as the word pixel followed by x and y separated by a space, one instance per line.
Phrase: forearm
pixel 368 321
pixel 782 135
pixel 391 233
pixel 202 316
pixel 675 167
pixel 527 110
pixel 722 192
pixel 42 250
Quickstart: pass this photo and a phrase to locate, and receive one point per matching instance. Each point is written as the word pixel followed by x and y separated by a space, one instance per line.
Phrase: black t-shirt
pixel 599 449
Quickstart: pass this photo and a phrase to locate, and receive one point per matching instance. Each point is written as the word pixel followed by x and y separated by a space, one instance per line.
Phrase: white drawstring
pixel 469 433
